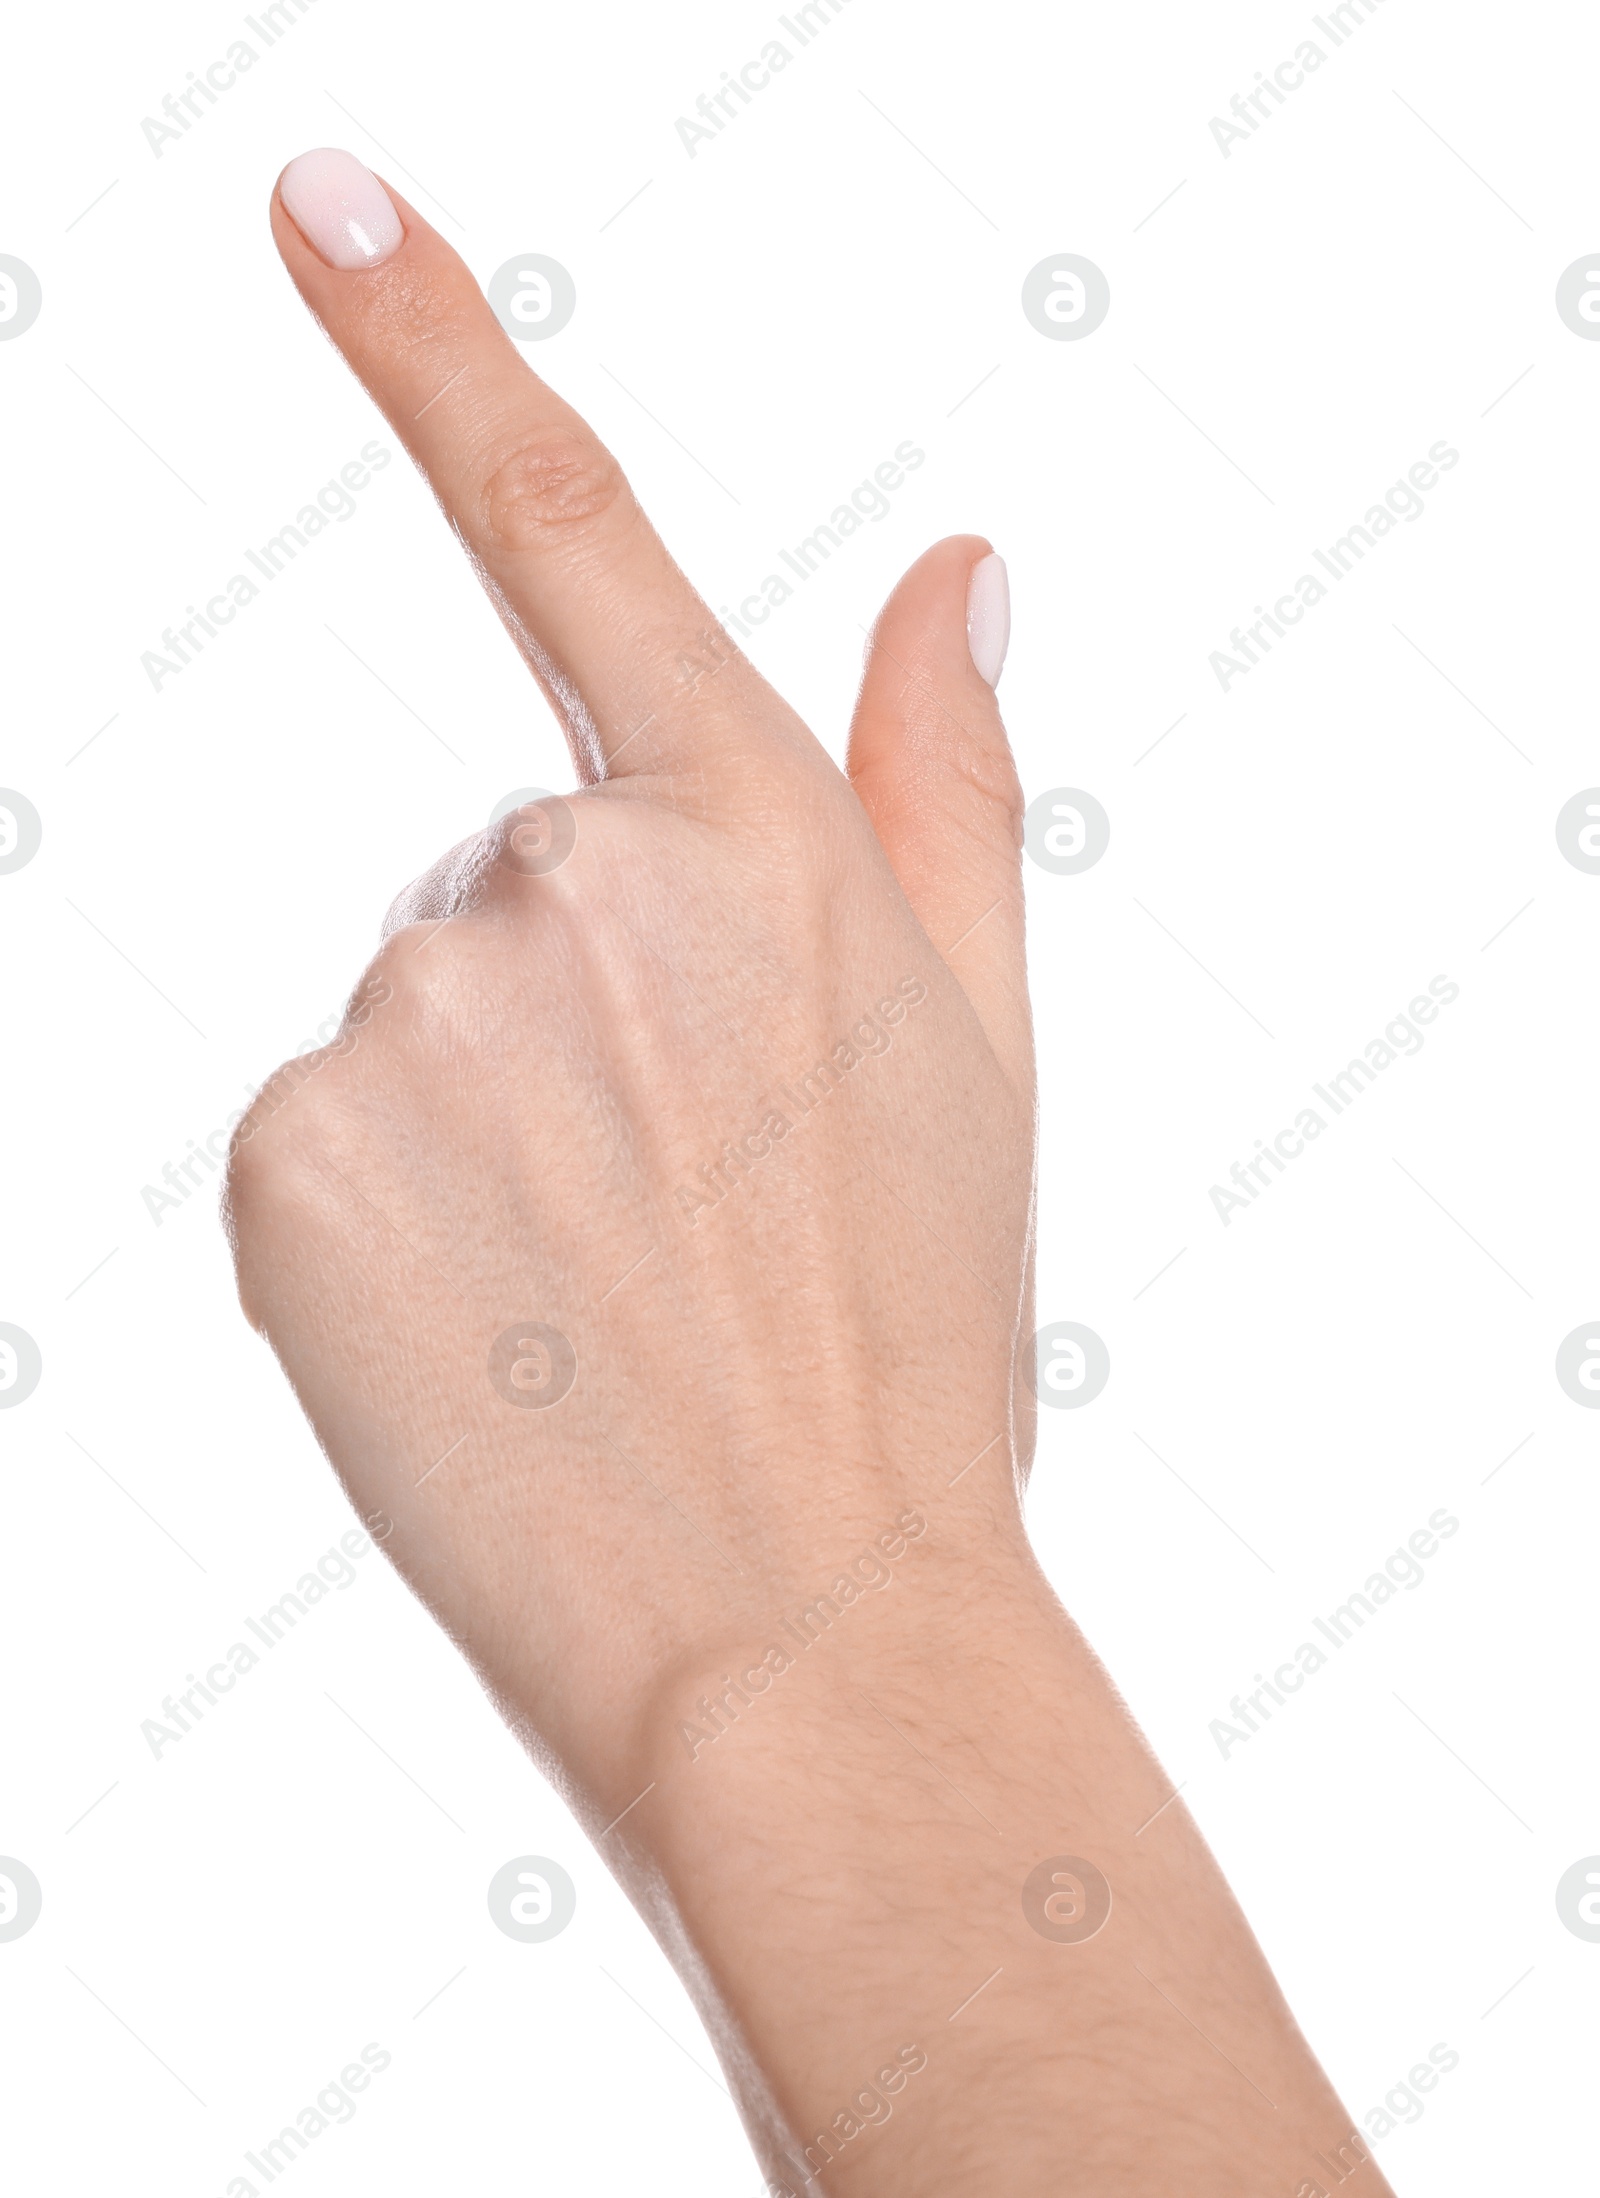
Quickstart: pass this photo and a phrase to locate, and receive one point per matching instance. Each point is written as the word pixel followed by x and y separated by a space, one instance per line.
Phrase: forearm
pixel 848 1871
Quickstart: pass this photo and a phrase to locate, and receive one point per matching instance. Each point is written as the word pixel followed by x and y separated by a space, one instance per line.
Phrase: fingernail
pixel 340 208
pixel 989 617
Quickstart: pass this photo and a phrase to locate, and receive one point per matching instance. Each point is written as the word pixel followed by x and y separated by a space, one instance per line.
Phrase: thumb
pixel 932 767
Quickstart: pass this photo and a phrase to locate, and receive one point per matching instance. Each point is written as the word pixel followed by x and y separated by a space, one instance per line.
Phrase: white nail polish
pixel 989 617
pixel 340 208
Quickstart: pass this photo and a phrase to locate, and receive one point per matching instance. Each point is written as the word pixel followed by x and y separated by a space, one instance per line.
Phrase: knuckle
pixel 553 481
pixel 533 841
pixel 275 1190
pixel 435 985
pixel 441 892
pixel 300 1108
pixel 418 969
pixel 288 1099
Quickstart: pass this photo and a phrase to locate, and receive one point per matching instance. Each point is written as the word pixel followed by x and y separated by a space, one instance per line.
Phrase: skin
pixel 809 1377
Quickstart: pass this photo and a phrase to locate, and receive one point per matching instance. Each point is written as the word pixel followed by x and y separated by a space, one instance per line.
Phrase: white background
pixel 1371 807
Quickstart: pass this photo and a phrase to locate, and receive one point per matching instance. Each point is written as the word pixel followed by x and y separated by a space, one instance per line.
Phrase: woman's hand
pixel 713 1081
pixel 653 1247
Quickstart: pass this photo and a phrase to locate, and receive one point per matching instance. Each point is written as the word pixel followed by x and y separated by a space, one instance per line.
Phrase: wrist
pixel 931 1610
pixel 833 1859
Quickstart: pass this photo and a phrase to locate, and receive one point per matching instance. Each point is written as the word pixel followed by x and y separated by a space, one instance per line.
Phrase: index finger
pixel 606 620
